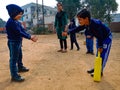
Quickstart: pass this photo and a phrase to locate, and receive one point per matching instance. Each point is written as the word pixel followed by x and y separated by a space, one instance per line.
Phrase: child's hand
pixel 100 50
pixel 88 36
pixel 34 38
pixel 64 33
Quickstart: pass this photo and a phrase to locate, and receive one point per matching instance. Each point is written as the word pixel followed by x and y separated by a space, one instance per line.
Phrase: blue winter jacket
pixel 97 28
pixel 72 35
pixel 14 29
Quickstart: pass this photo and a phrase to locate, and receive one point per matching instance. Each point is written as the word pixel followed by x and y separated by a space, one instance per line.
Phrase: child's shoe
pixel 87 52
pixel 60 50
pixel 23 69
pixel 78 49
pixel 17 79
pixel 92 53
pixel 92 74
pixel 64 51
pixel 90 71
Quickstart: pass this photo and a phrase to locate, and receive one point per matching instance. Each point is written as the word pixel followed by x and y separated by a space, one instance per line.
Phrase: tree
pixel 101 8
pixel 111 6
pixel 71 7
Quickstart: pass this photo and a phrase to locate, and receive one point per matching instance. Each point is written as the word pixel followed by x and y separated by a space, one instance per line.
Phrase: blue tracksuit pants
pixel 89 44
pixel 106 50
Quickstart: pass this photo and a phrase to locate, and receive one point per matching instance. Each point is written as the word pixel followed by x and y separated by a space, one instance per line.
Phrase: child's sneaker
pixel 60 50
pixel 92 53
pixel 78 49
pixel 64 51
pixel 23 69
pixel 17 79
pixel 87 52
pixel 92 74
pixel 90 71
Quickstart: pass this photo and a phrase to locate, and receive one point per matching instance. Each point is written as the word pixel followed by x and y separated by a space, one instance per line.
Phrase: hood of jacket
pixel 14 10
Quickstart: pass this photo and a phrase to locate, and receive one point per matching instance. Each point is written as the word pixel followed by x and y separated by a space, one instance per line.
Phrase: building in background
pixel 31 17
pixel 115 17
pixel 115 24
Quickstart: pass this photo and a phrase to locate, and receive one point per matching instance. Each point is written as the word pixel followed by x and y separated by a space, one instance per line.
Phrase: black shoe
pixel 17 79
pixel 60 50
pixel 92 53
pixel 90 71
pixel 64 51
pixel 23 69
pixel 78 49
pixel 92 74
pixel 87 52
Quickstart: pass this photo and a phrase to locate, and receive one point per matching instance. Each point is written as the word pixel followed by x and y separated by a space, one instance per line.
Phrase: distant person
pixel 15 33
pixel 89 42
pixel 61 27
pixel 100 31
pixel 73 35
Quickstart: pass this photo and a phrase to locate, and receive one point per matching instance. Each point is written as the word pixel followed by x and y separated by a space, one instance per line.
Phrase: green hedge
pixel 41 30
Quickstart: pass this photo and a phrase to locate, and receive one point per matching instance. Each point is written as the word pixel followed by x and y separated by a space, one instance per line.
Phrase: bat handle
pixel 98 53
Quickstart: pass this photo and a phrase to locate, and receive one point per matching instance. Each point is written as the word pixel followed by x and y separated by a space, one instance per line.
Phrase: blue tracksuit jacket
pixel 99 30
pixel 103 35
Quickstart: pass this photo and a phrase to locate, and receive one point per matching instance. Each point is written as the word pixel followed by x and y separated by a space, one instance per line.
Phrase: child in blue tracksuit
pixel 89 42
pixel 99 30
pixel 73 35
pixel 15 33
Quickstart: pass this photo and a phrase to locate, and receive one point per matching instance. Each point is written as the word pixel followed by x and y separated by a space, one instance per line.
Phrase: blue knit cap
pixel 14 10
pixel 73 20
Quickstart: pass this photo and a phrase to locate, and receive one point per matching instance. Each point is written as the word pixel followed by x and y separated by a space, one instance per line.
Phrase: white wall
pixel 49 19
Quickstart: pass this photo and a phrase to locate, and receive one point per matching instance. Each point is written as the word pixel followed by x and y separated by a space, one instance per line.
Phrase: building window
pixel 26 16
pixel 39 10
pixel 25 10
pixel 32 9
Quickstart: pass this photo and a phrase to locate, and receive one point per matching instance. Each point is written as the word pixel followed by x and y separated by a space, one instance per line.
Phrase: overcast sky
pixel 3 3
pixel 52 3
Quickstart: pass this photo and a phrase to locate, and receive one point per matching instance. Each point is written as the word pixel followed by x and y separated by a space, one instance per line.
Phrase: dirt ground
pixel 52 70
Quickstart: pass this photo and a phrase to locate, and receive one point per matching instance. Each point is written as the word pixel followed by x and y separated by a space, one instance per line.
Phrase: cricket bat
pixel 97 68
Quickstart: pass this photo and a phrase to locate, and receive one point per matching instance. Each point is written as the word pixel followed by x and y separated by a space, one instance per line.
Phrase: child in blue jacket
pixel 89 42
pixel 99 30
pixel 15 33
pixel 73 35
